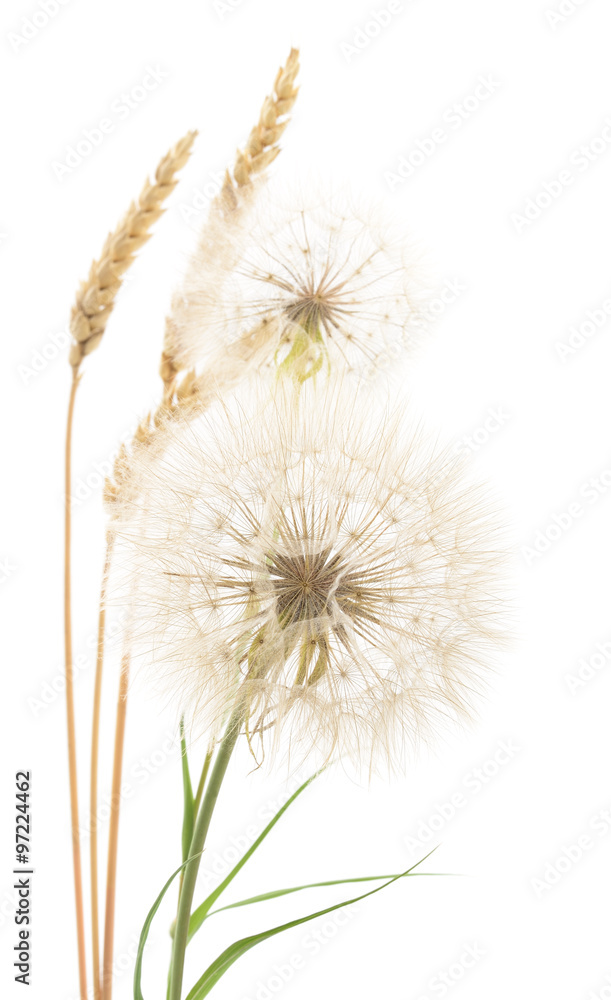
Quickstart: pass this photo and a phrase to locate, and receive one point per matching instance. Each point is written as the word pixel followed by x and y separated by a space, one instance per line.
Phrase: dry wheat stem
pixel 95 743
pixel 96 296
pixel 94 302
pixel 70 723
pixel 113 834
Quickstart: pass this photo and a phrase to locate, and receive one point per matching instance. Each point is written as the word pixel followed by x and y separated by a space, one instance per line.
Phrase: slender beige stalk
pixel 95 745
pixel 94 303
pixel 70 724
pixel 113 833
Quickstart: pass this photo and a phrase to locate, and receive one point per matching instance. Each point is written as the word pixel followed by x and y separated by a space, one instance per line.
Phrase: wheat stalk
pixel 93 787
pixel 70 720
pixel 94 303
pixel 96 296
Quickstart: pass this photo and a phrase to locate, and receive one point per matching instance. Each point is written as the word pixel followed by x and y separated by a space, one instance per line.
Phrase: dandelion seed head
pixel 322 282
pixel 350 592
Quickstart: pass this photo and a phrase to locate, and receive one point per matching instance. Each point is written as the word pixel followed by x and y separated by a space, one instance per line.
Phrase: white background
pixel 524 286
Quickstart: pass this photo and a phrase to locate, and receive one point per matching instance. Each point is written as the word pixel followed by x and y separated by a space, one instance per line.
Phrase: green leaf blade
pixel 276 893
pixel 226 959
pixel 145 933
pixel 199 915
pixel 189 803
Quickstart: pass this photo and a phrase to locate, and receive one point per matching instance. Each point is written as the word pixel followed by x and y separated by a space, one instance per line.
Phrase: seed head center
pixel 304 584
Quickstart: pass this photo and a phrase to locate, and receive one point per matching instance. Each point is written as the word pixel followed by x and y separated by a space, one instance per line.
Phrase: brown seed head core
pixel 316 303
pixel 303 584
pixel 313 586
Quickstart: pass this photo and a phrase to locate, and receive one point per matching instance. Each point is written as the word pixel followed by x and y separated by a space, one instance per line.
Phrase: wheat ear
pixel 94 303
pixel 262 146
pixel 96 296
pixel 261 149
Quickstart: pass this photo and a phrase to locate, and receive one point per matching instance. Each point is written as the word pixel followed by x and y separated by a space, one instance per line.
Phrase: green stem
pixel 200 830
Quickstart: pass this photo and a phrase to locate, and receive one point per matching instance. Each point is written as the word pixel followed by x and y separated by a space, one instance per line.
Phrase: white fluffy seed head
pixel 301 282
pixel 321 560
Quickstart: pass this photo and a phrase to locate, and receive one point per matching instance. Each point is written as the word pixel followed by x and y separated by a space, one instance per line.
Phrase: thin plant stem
pixel 70 721
pixel 95 747
pixel 113 833
pixel 200 830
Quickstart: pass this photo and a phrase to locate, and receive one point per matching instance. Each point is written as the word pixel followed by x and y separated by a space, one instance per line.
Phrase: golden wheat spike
pixel 260 151
pixel 262 145
pixel 96 296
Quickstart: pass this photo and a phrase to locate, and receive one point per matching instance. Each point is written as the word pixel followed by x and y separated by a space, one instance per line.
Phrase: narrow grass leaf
pixel 225 960
pixel 199 915
pixel 146 928
pixel 274 894
pixel 188 809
